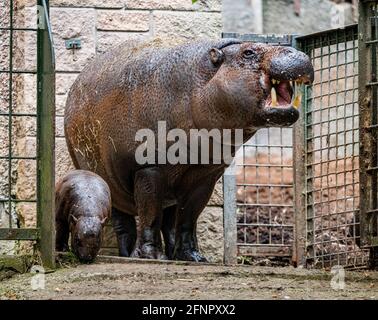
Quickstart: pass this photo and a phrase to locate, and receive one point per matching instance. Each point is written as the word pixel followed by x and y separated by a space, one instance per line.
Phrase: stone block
pixel 210 234
pixel 217 196
pixel 64 82
pixel 187 25
pixel 107 40
pixel 87 3
pixel 60 104
pixel 73 23
pixel 201 5
pixel 59 126
pixel 121 20
pixel 63 162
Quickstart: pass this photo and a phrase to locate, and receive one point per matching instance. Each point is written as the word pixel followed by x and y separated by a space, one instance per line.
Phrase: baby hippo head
pixel 86 234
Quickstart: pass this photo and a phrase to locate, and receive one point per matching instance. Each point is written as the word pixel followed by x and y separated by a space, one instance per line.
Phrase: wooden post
pixel 45 137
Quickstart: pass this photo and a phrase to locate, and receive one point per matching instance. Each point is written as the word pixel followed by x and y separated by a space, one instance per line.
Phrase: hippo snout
pixel 291 64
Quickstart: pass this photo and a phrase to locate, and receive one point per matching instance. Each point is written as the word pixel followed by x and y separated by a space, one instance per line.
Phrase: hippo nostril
pixel 292 64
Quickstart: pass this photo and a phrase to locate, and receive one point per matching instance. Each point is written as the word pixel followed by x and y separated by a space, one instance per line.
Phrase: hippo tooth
pixel 291 83
pixel 274 81
pixel 274 97
pixel 297 101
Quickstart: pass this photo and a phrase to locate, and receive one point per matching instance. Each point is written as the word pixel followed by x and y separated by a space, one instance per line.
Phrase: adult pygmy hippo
pixel 82 205
pixel 222 84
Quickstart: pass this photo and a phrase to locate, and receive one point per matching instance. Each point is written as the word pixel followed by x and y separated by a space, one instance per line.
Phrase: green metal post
pixel 46 137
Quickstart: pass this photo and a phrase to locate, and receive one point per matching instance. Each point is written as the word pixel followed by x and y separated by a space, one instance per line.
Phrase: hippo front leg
pixel 62 235
pixel 125 228
pixel 168 230
pixel 148 193
pixel 186 247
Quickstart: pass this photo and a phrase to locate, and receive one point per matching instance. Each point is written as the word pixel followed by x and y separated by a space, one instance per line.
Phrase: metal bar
pixel 365 97
pixel 264 185
pixel 318 38
pixel 17 158
pixel 267 225
pixel 299 244
pixel 18 200
pixel 283 40
pixel 262 165
pixel 10 108
pixel 18 234
pixel 266 146
pixel 229 216
pixel 17 29
pixel 18 71
pixel 267 205
pixel 264 250
pixel 18 114
pixel 46 137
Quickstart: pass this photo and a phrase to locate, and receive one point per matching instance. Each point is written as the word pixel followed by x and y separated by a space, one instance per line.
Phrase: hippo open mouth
pixel 284 94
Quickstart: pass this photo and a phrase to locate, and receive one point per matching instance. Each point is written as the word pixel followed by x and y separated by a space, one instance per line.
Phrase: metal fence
pixel 264 189
pixel 331 150
pixel 20 77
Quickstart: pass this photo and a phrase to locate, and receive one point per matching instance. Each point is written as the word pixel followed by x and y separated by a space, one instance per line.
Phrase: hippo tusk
pixel 297 101
pixel 274 97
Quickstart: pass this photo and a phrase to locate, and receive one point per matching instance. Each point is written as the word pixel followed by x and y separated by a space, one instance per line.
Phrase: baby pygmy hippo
pixel 82 206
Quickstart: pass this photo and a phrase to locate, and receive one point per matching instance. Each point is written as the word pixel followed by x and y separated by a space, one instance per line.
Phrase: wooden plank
pixel 229 216
pixel 46 138
pixel 18 234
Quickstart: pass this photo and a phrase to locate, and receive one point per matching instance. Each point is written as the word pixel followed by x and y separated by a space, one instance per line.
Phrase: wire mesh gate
pixel 29 75
pixel 331 150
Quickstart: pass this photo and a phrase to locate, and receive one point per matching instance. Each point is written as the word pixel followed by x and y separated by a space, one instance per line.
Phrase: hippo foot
pixel 148 251
pixel 189 255
pixel 62 248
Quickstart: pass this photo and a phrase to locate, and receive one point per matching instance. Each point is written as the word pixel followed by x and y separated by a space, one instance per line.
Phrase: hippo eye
pixel 248 54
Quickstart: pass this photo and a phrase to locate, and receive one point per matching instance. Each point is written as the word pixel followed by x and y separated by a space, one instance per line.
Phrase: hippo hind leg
pixel 125 228
pixel 168 230
pixel 148 191
pixel 62 235
pixel 186 245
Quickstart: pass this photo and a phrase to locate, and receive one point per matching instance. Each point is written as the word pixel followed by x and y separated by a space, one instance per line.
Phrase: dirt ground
pixel 129 279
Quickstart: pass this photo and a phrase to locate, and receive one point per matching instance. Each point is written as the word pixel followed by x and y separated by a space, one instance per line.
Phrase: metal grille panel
pixel 332 150
pixel 27 121
pixel 265 194
pixel 18 154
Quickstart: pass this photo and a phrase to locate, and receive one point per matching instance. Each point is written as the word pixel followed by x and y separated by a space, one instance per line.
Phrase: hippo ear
pixel 73 218
pixel 104 220
pixel 216 56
